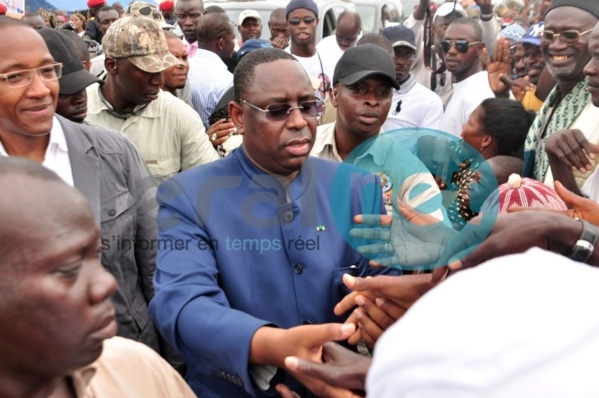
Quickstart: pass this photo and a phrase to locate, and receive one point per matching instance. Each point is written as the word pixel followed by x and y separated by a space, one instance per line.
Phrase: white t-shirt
pixel 316 69
pixel 467 95
pixel 330 52
pixel 419 107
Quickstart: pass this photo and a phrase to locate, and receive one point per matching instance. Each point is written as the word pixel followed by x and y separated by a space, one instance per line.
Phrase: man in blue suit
pixel 252 248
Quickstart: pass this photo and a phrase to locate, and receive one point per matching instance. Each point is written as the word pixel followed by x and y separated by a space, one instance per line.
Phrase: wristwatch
pixel 487 17
pixel 585 245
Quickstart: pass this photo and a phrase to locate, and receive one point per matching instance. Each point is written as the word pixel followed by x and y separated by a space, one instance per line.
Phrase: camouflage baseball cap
pixel 147 10
pixel 141 41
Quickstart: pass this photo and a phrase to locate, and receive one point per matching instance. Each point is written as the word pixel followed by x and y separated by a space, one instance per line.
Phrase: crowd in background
pixel 232 206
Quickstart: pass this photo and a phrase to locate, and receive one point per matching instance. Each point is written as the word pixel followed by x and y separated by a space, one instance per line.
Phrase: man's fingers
pixel 370 233
pixel 392 309
pixel 506 80
pixel 285 392
pixel 439 274
pixel 317 335
pixel 485 60
pixel 577 146
pixel 374 313
pixel 373 219
pixel 569 197
pixel 356 337
pixel 347 303
pixel 414 216
pixel 375 248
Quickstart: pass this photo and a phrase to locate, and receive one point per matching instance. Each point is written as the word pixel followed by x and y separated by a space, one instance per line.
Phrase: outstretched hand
pixel 517 232
pixel 410 240
pixel 340 367
pixel 381 300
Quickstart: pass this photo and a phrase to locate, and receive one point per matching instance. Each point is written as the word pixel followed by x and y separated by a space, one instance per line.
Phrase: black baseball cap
pixel 75 77
pixel 400 36
pixel 358 63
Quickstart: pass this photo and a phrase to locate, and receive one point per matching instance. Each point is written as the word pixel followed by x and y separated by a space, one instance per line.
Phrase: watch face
pixel 582 251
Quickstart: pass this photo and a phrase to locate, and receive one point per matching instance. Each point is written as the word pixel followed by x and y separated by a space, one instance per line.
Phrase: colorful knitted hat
pixel 523 192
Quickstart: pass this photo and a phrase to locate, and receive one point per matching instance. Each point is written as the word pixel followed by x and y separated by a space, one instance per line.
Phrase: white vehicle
pixel 378 14
pixel 328 11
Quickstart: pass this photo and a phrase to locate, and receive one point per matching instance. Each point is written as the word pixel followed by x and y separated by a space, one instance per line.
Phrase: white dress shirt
pixel 57 154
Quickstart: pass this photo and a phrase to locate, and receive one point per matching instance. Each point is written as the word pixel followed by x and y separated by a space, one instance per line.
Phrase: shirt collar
pixel 325 142
pixel 56 138
pixel 98 103
pixel 407 85
pixel 81 378
pixel 209 57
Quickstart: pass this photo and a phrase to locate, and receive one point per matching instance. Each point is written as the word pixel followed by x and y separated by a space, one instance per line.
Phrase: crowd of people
pixel 191 210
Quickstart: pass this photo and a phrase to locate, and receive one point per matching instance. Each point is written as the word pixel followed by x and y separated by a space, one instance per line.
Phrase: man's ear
pixel 236 115
pixel 334 96
pixel 487 141
pixel 111 65
pixel 87 65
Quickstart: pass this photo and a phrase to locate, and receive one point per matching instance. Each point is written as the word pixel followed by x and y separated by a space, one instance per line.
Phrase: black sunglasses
pixel 460 45
pixel 297 21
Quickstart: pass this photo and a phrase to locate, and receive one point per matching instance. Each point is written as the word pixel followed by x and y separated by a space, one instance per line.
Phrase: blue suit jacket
pixel 238 251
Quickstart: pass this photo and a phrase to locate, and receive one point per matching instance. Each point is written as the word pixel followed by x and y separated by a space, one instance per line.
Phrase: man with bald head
pixel 279 31
pixel 57 322
pixel 347 34
pixel 209 77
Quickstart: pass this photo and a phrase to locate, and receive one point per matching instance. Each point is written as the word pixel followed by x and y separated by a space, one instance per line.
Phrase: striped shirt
pixel 209 79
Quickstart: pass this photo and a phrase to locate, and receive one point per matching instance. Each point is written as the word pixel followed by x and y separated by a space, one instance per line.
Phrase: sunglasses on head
pixel 297 21
pixel 460 45
pixel 567 36
pixel 278 112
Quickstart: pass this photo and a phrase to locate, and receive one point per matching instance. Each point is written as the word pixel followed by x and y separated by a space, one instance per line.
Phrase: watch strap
pixel 585 245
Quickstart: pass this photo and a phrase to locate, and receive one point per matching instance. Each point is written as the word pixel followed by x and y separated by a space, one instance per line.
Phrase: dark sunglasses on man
pixel 460 45
pixel 297 21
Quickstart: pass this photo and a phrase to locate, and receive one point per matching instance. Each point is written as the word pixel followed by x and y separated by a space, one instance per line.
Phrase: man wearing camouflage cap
pixel 169 135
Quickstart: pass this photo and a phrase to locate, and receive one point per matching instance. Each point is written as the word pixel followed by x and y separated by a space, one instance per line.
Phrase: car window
pixel 368 16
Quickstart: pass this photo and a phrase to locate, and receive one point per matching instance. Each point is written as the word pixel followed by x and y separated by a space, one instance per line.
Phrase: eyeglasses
pixel 297 21
pixel 406 56
pixel 25 77
pixel 278 112
pixel 567 37
pixel 460 45
pixel 194 15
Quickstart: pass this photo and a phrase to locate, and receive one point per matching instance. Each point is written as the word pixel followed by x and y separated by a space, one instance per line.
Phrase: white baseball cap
pixel 447 8
pixel 248 14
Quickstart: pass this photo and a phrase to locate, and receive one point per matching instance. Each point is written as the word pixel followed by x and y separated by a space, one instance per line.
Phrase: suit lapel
pixel 85 165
